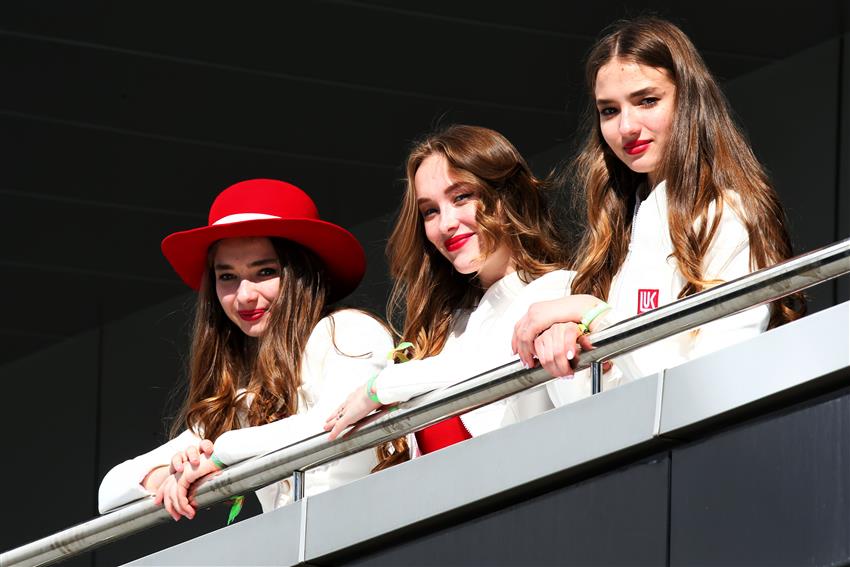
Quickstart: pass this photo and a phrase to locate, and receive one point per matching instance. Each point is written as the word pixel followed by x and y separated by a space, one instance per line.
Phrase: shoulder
pixel 554 281
pixel 351 331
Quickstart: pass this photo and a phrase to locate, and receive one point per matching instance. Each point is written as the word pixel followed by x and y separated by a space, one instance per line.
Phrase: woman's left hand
pixel 174 492
pixel 357 406
pixel 543 315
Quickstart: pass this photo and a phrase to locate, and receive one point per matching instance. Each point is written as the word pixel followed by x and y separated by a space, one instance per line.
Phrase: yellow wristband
pixel 590 315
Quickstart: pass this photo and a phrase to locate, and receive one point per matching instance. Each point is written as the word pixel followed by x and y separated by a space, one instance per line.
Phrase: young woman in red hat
pixel 269 357
pixel 474 245
pixel 675 202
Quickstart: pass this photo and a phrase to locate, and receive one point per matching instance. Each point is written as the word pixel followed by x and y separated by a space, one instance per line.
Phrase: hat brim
pixel 337 248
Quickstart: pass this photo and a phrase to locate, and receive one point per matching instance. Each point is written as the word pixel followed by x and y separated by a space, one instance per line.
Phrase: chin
pixel 254 330
pixel 465 269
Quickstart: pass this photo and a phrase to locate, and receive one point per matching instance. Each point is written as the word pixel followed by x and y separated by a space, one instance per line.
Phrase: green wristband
pixel 590 315
pixel 217 462
pixel 372 395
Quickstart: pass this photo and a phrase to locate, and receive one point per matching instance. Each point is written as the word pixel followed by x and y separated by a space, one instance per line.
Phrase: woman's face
pixel 448 208
pixel 247 280
pixel 636 105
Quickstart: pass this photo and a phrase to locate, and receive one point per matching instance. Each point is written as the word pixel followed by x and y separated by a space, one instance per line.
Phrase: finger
pixel 192 456
pixel 181 504
pixel 177 494
pixel 552 355
pixel 541 352
pixel 338 428
pixel 572 336
pixel 333 418
pixel 335 413
pixel 188 511
pixel 519 344
pixel 562 353
pixel 169 507
pixel 606 366
pixel 157 498
pixel 207 447
pixel 177 463
pixel 584 341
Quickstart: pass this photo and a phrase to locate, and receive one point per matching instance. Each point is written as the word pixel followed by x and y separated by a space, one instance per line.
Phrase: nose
pixel 247 292
pixel 448 221
pixel 629 125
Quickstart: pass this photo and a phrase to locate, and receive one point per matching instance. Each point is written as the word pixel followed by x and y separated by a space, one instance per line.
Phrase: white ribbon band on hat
pixel 243 217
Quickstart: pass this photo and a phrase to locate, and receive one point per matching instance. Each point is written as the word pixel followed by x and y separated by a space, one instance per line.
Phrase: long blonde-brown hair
pixel 224 360
pixel 706 154
pixel 514 209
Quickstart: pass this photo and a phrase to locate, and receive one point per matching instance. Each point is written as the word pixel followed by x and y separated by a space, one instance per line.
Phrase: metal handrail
pixel 748 291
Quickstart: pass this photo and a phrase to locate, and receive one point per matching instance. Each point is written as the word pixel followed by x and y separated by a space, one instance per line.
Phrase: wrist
pixel 155 477
pixel 372 390
pixel 217 462
pixel 591 319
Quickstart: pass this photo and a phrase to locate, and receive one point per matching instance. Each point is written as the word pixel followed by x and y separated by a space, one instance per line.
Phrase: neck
pixel 488 279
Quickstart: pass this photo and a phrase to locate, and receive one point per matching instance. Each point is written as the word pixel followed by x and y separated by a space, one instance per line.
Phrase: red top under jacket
pixel 441 434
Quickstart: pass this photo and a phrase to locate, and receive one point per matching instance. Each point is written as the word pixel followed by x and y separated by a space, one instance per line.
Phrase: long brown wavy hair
pixel 223 359
pixel 514 207
pixel 706 155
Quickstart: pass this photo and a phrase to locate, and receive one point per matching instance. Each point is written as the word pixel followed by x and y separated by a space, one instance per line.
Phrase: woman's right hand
pixel 357 406
pixel 192 455
pixel 176 492
pixel 157 479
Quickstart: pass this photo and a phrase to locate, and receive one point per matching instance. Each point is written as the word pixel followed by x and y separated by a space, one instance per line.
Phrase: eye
pixel 269 272
pixel 607 111
pixel 426 213
pixel 225 277
pixel 460 198
pixel 649 101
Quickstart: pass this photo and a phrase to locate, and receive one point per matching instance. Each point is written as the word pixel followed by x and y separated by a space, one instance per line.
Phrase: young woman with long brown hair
pixel 674 201
pixel 474 245
pixel 270 356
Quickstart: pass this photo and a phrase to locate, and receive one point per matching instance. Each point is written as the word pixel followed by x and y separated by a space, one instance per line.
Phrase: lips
pixel 251 314
pixel 456 242
pixel 636 147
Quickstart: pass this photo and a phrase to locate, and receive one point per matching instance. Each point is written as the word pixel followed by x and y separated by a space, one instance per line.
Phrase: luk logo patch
pixel 647 300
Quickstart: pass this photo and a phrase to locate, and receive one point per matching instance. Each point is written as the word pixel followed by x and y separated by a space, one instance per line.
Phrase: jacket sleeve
pixel 727 258
pixel 346 349
pixel 476 352
pixel 123 483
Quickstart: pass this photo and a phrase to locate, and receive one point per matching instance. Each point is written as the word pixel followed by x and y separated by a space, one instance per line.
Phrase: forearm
pixel 123 483
pixel 155 477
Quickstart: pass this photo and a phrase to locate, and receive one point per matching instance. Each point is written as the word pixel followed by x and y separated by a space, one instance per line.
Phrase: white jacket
pixel 332 367
pixel 650 274
pixel 480 340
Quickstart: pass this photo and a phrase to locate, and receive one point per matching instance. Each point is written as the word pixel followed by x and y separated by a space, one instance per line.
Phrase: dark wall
pixel 771 491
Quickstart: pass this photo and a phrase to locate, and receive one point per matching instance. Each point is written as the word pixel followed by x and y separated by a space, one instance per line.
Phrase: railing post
pixel 596 377
pixel 297 485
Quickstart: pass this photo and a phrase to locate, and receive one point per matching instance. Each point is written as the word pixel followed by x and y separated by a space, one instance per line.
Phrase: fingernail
pixel 570 355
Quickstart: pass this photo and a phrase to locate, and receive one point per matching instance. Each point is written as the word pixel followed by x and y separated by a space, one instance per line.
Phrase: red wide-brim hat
pixel 271 208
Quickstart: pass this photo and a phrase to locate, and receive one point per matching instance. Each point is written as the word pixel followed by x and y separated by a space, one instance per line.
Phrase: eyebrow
pixel 636 94
pixel 453 187
pixel 253 264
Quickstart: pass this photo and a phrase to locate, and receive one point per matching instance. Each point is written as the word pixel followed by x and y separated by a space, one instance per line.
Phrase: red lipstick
pixel 251 314
pixel 636 147
pixel 456 242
